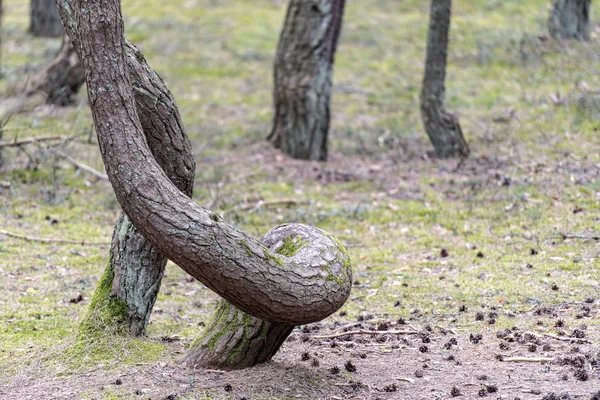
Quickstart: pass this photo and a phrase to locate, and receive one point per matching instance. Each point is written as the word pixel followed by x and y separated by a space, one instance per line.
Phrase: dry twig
pixel 30 140
pixel 46 240
pixel 365 332
pixel 79 165
pixel 528 359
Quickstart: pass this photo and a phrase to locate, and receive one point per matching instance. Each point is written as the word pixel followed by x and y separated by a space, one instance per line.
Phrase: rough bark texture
pixel 570 19
pixel 299 289
pixel 303 74
pixel 441 126
pixel 234 339
pixel 137 267
pixel 45 20
pixel 60 80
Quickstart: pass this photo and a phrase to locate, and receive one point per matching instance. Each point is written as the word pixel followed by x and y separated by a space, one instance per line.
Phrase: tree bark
pixel 136 267
pixel 570 19
pixel 441 126
pixel 45 21
pixel 304 287
pixel 61 79
pixel 303 75
pixel 234 339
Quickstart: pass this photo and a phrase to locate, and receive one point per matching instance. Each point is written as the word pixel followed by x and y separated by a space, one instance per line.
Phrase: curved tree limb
pixel 309 285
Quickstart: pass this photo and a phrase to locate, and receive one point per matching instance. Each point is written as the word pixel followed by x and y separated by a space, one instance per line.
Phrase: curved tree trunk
pixel 441 126
pixel 234 339
pixel 303 275
pixel 570 19
pixel 45 20
pixel 303 75
pixel 136 267
pixel 60 80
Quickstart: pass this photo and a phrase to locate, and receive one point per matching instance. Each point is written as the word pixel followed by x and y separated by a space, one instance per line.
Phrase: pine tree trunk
pixel 303 77
pixel 136 267
pixel 236 340
pixel 441 126
pixel 45 21
pixel 570 19
pixel 61 79
pixel 298 275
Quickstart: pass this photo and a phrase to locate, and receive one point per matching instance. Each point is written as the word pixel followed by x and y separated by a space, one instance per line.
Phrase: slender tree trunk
pixel 136 267
pixel 45 20
pixel 441 126
pixel 570 19
pixel 61 79
pixel 303 75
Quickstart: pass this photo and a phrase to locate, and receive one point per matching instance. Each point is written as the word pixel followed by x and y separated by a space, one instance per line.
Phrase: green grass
pixel 216 58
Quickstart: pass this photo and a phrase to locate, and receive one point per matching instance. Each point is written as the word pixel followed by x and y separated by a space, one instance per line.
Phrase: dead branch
pixel 580 236
pixel 365 332
pixel 30 140
pixel 528 359
pixel 79 165
pixel 45 240
pixel 567 339
pixel 261 203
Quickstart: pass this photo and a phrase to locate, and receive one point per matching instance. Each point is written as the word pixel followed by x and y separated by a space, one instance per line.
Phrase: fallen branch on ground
pixel 261 203
pixel 79 165
pixel 45 240
pixel 581 236
pixel 30 140
pixel 365 332
pixel 528 359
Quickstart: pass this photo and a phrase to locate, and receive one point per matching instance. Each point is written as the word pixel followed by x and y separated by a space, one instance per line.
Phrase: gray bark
pixel 45 21
pixel 305 287
pixel 441 125
pixel 303 75
pixel 61 79
pixel 570 19
pixel 233 339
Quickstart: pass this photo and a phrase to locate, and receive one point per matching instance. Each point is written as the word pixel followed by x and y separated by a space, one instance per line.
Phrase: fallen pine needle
pixel 45 240
pixel 365 332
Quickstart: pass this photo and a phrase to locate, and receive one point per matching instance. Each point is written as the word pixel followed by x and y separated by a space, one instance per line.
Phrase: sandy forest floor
pixel 481 277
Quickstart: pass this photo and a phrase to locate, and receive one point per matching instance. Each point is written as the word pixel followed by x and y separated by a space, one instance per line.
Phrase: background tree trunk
pixel 441 126
pixel 136 267
pixel 570 19
pixel 61 79
pixel 45 21
pixel 303 75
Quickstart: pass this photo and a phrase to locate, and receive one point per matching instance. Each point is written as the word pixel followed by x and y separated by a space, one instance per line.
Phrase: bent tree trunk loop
pixel 570 19
pixel 300 275
pixel 441 125
pixel 303 75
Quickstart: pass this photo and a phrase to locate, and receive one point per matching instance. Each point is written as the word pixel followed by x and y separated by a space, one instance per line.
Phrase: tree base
pixel 236 340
